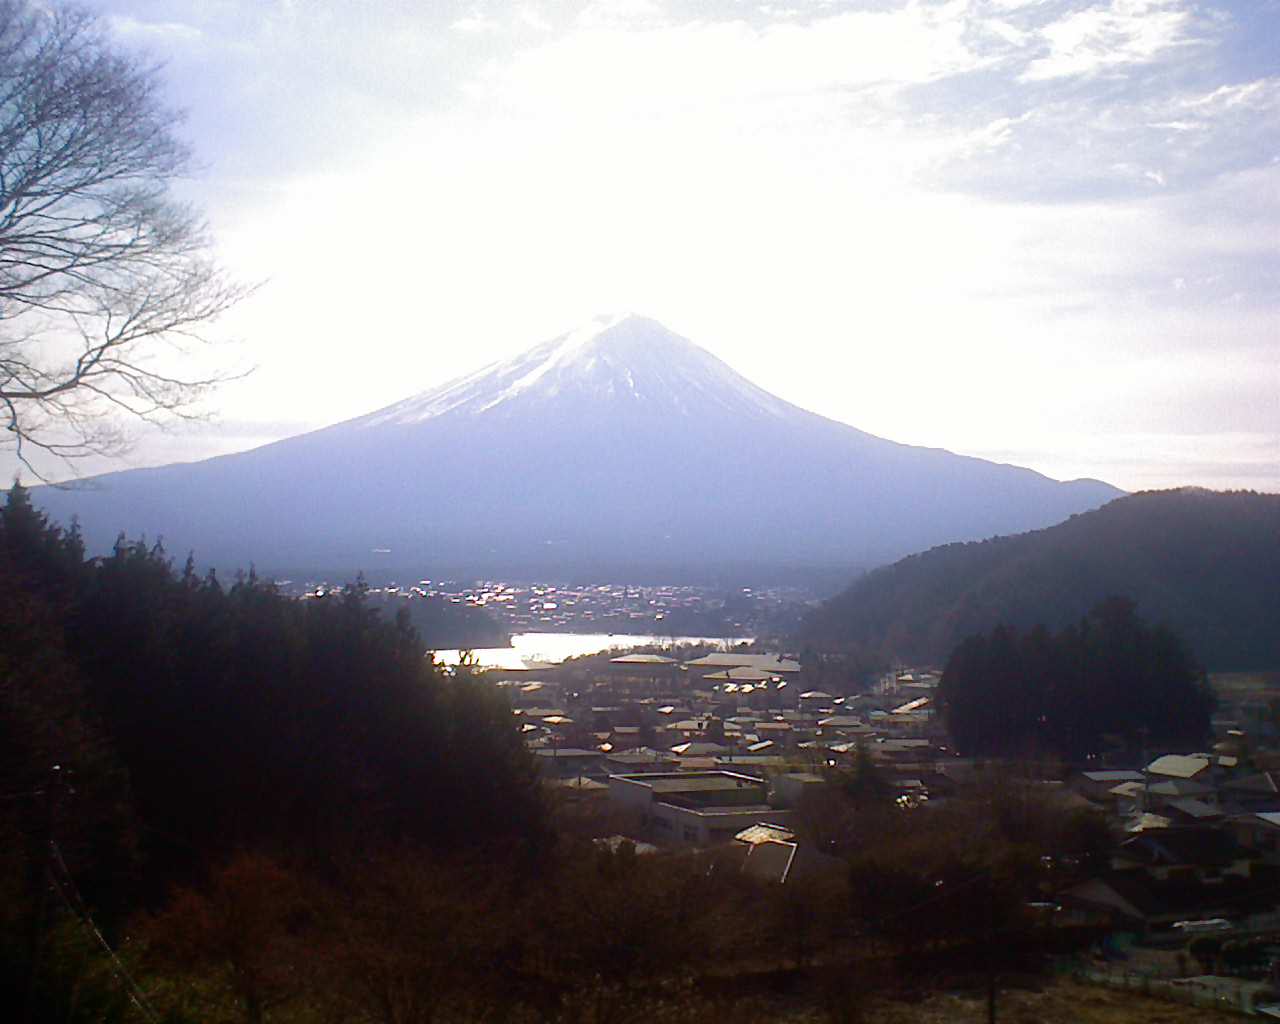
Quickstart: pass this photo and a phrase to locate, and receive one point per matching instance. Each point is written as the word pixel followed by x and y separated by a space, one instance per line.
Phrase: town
pixel 664 610
pixel 1172 886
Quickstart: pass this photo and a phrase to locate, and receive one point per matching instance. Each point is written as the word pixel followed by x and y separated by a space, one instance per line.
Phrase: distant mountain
pixel 1207 564
pixel 619 448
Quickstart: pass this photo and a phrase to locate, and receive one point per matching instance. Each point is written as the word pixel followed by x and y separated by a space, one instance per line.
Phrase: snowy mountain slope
pixel 618 357
pixel 616 446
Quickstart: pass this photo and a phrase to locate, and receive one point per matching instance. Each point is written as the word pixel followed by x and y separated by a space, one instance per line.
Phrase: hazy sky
pixel 1041 231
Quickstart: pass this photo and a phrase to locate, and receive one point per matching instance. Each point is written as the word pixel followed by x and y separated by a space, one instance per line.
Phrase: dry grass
pixel 1065 1002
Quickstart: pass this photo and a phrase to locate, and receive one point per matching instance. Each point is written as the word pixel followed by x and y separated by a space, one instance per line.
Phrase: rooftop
pixel 554 752
pixel 1178 766
pixel 693 782
pixel 1114 775
pixel 764 832
pixel 642 659
pixel 773 663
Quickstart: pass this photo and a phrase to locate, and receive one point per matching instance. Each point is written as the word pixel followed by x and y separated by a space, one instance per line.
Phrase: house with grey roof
pixel 1260 834
pixel 1257 793
pixel 569 762
pixel 1198 853
pixel 1100 785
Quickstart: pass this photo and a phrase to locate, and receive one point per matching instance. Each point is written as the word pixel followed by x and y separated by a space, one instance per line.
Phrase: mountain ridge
pixel 597 356
pixel 1203 562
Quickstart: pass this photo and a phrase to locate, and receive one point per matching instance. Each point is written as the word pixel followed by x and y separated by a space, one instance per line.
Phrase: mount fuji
pixel 617 448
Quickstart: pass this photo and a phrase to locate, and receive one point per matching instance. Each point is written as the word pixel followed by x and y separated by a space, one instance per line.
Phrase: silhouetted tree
pixel 1015 694
pixel 100 266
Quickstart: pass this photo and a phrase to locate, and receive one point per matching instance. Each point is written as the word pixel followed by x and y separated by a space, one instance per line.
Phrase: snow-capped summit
pixel 617 449
pixel 611 356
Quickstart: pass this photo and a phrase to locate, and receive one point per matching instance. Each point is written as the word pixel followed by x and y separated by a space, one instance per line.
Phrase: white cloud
pixel 694 64
pixel 1089 145
pixel 154 33
pixel 475 23
pixel 1148 461
pixel 529 15
pixel 620 13
pixel 1016 5
pixel 1106 38
pixel 1007 32
pixel 1262 94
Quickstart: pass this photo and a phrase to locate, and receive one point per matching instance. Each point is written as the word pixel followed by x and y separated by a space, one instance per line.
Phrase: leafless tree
pixel 102 273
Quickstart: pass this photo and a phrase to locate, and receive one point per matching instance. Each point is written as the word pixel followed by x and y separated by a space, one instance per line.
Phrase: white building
pixel 694 808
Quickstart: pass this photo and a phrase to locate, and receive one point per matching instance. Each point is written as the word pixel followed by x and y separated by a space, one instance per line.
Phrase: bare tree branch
pixel 100 269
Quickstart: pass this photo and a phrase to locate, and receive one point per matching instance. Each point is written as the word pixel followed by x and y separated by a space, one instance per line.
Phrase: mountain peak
pixel 612 357
pixel 626 337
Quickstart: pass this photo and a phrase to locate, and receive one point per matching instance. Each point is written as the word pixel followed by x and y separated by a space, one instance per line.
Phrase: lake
pixel 556 647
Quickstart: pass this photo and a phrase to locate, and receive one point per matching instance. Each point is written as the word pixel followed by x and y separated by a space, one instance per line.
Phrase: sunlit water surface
pixel 556 647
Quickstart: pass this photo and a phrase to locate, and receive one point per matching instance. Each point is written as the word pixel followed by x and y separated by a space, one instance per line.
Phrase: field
pixel 826 997
pixel 1062 1003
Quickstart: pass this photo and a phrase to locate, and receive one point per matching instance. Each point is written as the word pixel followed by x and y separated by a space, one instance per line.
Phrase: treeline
pixel 241 716
pixel 1204 562
pixel 1033 693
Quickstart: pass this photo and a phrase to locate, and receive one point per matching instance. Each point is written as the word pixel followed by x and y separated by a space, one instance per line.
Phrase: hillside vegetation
pixel 1204 563
pixel 195 719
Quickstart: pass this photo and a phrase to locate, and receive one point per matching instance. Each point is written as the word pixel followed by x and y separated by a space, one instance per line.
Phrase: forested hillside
pixel 240 716
pixel 1204 563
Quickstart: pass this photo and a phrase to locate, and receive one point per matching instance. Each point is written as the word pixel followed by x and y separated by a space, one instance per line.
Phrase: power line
pixel 66 886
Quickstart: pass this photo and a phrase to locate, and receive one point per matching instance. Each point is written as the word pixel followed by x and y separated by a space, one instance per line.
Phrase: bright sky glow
pixel 1041 231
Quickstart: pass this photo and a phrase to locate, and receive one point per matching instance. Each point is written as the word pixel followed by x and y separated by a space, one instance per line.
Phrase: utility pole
pixel 1146 776
pixel 991 949
pixel 41 873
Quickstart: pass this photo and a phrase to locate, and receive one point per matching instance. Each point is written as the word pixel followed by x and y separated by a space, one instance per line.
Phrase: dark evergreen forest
pixel 154 723
pixel 1011 693
pixel 239 716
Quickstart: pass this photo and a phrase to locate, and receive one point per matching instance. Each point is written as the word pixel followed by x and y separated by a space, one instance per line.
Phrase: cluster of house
pixel 722 747
pixel 1198 839
pixel 743 713
pixel 721 711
